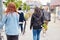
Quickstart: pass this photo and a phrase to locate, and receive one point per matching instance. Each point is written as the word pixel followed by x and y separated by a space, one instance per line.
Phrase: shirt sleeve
pixel 49 16
pixel 32 19
pixel 2 22
pixel 17 17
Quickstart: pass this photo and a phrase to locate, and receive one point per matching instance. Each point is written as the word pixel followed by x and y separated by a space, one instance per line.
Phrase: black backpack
pixel 21 17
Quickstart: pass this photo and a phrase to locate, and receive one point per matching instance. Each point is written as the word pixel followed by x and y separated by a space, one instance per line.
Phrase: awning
pixel 55 3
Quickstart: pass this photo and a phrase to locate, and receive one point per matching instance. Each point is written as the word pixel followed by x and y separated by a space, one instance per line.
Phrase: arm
pixel 32 19
pixel 2 22
pixel 42 19
pixel 49 16
pixel 23 17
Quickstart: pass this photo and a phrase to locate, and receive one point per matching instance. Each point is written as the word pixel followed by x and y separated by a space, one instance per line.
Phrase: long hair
pixel 11 7
pixel 37 11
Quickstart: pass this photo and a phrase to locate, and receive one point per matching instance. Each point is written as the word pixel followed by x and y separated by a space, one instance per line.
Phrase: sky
pixel 43 2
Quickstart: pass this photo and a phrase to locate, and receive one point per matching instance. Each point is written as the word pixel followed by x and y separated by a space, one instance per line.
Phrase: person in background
pixel 47 14
pixel 21 19
pixel 47 18
pixel 59 13
pixel 10 18
pixel 37 20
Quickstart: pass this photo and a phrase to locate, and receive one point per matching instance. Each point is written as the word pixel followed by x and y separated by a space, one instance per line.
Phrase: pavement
pixel 53 32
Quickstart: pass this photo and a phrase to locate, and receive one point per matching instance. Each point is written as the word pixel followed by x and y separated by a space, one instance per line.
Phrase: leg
pixel 34 34
pixel 15 37
pixel 24 27
pixel 38 34
pixel 54 18
pixel 21 25
pixel 9 37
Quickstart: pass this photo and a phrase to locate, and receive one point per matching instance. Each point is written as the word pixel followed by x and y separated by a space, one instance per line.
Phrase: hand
pixel 46 22
pixel 30 28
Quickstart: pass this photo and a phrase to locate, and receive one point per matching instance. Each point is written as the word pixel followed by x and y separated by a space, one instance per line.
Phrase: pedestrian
pixel 47 18
pixel 47 14
pixel 36 23
pixel 59 14
pixel 10 18
pixel 21 20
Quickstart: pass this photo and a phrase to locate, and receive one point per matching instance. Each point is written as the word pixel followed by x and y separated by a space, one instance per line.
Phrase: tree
pixel 26 7
pixel 17 2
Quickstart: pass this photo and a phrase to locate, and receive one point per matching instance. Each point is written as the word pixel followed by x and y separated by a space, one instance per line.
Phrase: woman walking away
pixel 10 19
pixel 21 19
pixel 36 22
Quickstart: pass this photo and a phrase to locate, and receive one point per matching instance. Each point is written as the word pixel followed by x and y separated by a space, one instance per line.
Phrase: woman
pixel 21 19
pixel 47 15
pixel 10 19
pixel 36 22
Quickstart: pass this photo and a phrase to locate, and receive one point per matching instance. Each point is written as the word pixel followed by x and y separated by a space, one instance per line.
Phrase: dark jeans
pixel 36 34
pixel 12 37
pixel 21 25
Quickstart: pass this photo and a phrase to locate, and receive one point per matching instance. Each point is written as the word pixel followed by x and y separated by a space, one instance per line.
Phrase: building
pixel 55 2
pixel 33 3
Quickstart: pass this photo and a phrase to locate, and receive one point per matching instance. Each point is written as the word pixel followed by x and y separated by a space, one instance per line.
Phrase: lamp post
pixel 1 9
pixel 48 4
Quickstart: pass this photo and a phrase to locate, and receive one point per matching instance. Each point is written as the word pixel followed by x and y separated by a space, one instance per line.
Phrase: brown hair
pixel 37 11
pixel 11 7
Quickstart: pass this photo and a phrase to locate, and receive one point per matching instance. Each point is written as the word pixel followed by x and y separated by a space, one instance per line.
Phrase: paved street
pixel 53 32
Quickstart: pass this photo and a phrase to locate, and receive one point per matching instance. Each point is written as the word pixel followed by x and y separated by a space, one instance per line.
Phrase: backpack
pixel 21 17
